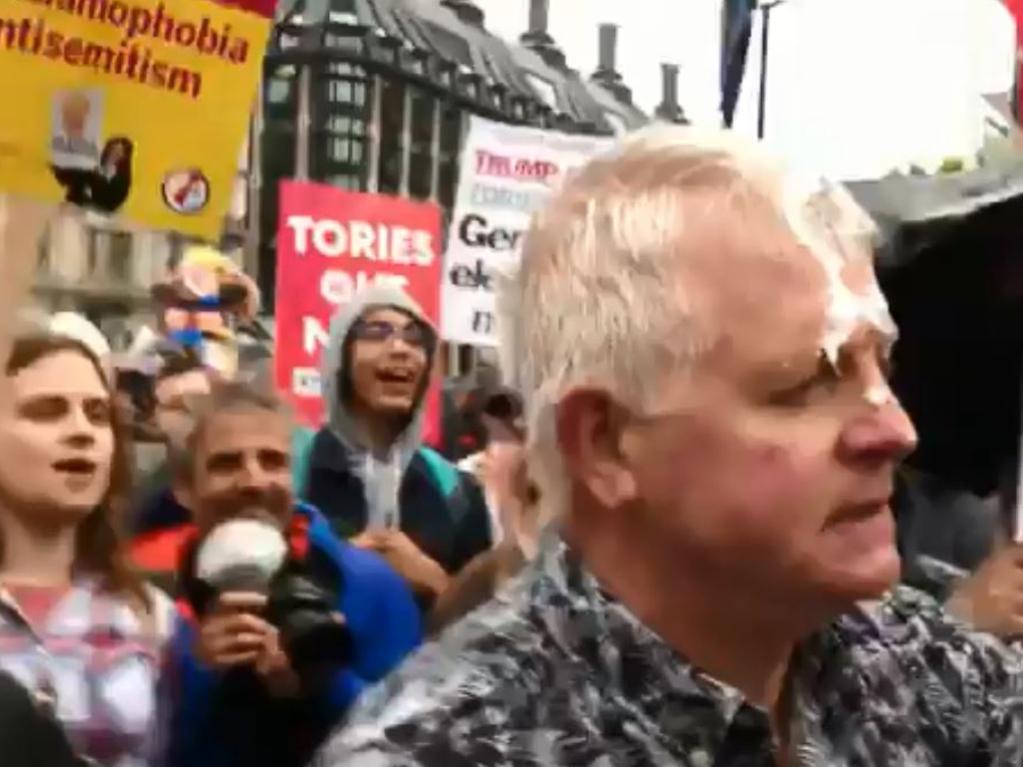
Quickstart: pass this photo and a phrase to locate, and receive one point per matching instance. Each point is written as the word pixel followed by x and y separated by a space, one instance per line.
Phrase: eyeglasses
pixel 415 334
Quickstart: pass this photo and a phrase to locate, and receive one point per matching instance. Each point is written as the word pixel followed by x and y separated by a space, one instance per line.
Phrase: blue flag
pixel 737 25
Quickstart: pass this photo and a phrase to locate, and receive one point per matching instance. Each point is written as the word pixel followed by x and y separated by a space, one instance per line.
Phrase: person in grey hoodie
pixel 367 470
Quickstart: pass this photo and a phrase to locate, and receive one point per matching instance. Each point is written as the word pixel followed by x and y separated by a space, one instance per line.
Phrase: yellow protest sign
pixel 135 108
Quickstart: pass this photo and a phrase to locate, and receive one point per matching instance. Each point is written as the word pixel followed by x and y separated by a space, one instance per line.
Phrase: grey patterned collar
pixel 556 672
pixel 634 667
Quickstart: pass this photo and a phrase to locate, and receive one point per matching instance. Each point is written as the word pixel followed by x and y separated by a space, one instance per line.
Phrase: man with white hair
pixel 702 346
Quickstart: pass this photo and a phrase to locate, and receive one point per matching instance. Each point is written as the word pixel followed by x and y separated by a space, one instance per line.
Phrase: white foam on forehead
pixel 803 197
pixel 879 394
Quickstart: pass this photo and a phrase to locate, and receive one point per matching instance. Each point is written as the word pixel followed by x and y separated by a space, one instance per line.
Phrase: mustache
pixel 233 504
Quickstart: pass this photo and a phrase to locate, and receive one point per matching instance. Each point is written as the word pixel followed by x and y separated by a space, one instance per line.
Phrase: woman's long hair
pixel 99 548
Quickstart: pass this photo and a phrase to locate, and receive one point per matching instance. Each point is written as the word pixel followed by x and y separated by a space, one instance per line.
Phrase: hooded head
pixel 377 366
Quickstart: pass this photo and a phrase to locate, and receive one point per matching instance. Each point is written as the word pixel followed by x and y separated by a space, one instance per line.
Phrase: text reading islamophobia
pixel 133 58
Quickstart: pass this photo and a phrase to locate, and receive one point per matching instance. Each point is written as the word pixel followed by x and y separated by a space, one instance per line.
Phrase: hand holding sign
pixel 114 102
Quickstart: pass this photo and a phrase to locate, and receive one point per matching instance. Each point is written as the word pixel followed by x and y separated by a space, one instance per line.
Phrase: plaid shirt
pixel 555 672
pixel 98 664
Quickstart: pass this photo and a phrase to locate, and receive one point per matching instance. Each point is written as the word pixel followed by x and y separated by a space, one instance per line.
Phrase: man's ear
pixel 590 426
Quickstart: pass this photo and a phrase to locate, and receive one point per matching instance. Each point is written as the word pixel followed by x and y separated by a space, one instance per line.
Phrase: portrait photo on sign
pixel 77 123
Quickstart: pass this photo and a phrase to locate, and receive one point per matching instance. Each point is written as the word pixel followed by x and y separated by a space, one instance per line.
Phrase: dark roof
pixel 585 103
pixel 431 27
pixel 478 50
pixel 628 114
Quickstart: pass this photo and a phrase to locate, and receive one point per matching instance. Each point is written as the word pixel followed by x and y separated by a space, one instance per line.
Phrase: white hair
pixel 600 297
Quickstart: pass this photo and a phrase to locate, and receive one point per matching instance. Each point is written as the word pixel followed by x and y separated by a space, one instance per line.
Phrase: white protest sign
pixel 507 173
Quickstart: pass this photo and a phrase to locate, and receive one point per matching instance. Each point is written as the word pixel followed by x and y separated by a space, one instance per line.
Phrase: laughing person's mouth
pixel 76 467
pixel 396 375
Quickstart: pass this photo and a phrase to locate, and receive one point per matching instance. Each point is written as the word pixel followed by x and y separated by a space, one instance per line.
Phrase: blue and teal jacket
pixel 443 510
pixel 227 719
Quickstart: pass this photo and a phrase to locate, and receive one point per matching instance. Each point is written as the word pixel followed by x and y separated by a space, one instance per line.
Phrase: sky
pixel 683 32
pixel 915 99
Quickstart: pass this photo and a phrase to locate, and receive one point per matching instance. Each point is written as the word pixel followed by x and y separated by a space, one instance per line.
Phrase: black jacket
pixel 449 524
pixel 28 736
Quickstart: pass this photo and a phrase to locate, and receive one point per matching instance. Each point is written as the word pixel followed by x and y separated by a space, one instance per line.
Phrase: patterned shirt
pixel 555 672
pixel 93 658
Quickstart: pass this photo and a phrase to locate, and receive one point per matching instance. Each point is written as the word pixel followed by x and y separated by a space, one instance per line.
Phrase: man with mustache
pixel 242 692
pixel 367 471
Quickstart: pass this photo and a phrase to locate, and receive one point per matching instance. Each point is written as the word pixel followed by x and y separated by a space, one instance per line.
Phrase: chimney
pixel 669 109
pixel 466 10
pixel 607 50
pixel 606 74
pixel 538 15
pixel 538 39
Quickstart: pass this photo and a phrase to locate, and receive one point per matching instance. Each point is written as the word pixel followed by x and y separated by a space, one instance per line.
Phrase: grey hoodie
pixel 381 475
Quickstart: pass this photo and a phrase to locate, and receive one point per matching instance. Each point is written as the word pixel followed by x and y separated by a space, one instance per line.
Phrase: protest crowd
pixel 669 533
pixel 671 518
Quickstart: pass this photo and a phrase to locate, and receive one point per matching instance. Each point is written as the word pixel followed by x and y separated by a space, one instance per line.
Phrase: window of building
pixel 340 110
pixel 421 159
pixel 617 123
pixel 340 91
pixel 392 123
pixel 346 42
pixel 343 12
pixel 544 88
pixel 497 92
pixel 344 15
pixel 349 181
pixel 385 48
pixel 418 62
pixel 450 145
pixel 285 40
pixel 345 150
pixel 346 90
pixel 278 90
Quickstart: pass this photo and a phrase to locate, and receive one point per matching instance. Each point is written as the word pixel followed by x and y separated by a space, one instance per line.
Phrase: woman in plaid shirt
pixel 77 627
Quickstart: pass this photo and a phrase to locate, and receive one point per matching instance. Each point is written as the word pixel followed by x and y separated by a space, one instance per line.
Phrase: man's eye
pixel 223 462
pixel 274 460
pixel 825 379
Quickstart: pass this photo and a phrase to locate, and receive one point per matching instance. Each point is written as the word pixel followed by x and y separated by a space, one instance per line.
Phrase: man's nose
pixel 882 434
pixel 253 476
pixel 399 346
